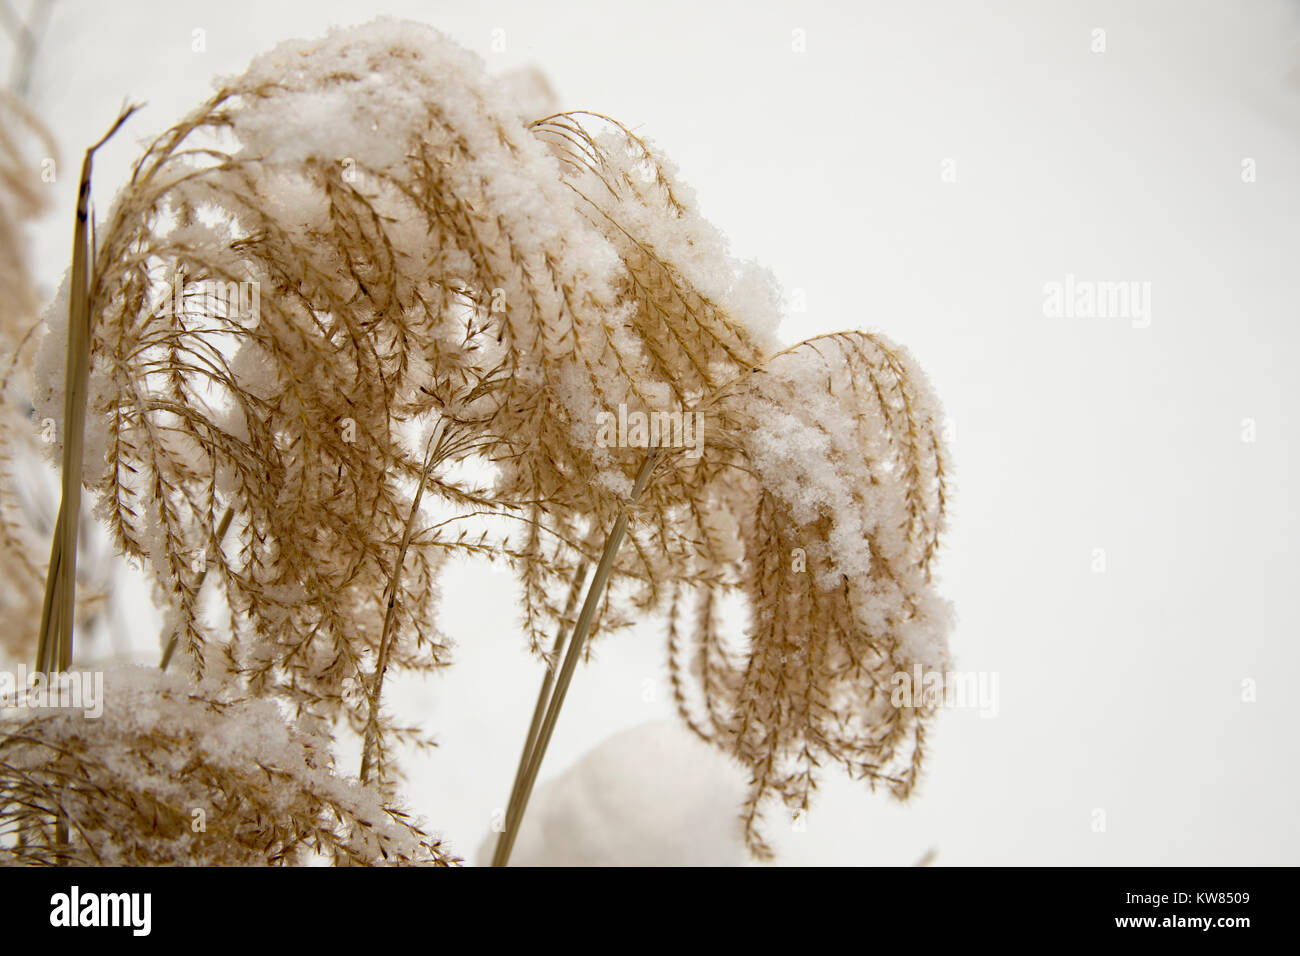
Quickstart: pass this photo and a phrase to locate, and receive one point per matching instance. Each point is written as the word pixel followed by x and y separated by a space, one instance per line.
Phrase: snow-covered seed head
pixel 356 271
pixel 171 774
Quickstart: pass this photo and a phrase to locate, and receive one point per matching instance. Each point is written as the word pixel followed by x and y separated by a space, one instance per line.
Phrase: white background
pixel 1121 690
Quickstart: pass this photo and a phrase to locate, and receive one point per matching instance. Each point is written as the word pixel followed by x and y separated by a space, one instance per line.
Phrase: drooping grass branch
pixel 374 691
pixel 412 247
pixel 223 526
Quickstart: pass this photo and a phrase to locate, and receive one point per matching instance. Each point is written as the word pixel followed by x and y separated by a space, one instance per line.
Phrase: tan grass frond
pixel 358 242
pixel 837 487
pixel 170 774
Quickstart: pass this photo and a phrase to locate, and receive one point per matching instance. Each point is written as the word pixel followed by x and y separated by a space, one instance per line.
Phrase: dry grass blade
pixel 54 648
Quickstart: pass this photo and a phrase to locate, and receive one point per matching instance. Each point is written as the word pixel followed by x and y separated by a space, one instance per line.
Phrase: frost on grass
pixel 356 272
pixel 174 774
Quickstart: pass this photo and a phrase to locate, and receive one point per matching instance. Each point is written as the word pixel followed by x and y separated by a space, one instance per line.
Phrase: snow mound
pixel 654 795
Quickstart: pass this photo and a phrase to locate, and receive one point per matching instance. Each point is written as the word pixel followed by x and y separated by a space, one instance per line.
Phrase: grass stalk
pixel 544 694
pixel 370 748
pixel 58 606
pixel 54 643
pixel 525 783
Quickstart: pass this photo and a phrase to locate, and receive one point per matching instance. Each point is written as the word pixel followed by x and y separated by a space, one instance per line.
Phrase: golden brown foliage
pixel 443 298
pixel 172 775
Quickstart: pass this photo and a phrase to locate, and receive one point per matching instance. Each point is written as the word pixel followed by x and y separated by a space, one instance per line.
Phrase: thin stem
pixel 370 748
pixel 594 591
pixel 543 698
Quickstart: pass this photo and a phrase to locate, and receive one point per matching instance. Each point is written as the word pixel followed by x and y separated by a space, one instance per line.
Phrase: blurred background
pixel 1122 551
